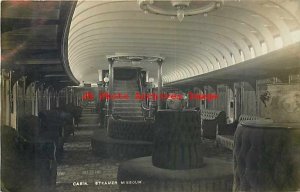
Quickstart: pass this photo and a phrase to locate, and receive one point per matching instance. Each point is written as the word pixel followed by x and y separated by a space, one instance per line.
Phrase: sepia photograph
pixel 150 96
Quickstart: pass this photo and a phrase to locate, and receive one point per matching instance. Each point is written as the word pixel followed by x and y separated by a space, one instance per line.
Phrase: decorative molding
pixel 64 47
pixel 179 8
pixel 124 57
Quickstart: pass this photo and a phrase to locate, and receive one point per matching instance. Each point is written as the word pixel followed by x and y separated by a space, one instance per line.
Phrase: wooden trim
pixel 64 47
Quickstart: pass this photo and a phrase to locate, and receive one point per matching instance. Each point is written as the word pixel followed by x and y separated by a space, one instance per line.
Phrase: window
pixel 233 59
pixel 252 52
pixel 278 42
pixel 264 47
pixel 242 55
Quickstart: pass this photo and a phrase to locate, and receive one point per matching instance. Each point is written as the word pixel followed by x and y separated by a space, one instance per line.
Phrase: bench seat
pixel 226 141
pixel 27 165
pixel 212 122
pixel 225 138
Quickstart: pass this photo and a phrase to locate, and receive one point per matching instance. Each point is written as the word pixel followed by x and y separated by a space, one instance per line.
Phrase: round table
pixel 267 156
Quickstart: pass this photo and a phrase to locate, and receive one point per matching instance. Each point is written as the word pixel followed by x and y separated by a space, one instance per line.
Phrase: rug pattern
pixel 81 171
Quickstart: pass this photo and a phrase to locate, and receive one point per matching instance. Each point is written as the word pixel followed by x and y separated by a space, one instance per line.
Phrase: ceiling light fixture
pixel 134 59
pixel 179 8
pixel 180 13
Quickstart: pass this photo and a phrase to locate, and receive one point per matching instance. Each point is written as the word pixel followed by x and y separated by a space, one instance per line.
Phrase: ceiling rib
pixel 199 44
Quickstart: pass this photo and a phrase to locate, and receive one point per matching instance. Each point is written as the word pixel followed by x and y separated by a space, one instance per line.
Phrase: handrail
pixel 146 110
pixel 140 83
pixel 141 88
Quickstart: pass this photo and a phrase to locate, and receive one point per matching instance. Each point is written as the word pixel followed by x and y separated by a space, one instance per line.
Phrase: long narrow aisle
pixel 79 169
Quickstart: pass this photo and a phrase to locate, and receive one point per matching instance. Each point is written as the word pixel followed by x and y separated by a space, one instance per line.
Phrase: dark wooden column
pixel 159 82
pixel 111 80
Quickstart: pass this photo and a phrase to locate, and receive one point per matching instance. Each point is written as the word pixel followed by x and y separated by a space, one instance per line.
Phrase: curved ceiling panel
pixel 238 31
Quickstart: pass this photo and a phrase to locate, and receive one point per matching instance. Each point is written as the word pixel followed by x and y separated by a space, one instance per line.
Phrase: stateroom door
pixel 225 101
pixel 230 105
pixel 237 100
pixel 5 103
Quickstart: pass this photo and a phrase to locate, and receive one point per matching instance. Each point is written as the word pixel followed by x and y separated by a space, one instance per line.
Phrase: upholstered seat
pixel 266 157
pixel 59 122
pixel 212 122
pixel 120 149
pixel 29 127
pixel 177 161
pixel 225 136
pixel 124 139
pixel 74 111
pixel 177 143
pixel 130 130
pixel 26 166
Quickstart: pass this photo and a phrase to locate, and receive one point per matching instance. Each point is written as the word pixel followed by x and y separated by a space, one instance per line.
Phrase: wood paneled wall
pixel 249 99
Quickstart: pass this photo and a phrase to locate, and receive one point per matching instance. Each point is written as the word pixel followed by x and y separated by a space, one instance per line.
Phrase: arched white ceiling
pixel 195 46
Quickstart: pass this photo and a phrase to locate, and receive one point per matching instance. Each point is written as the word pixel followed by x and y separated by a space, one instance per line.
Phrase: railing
pixel 148 111
pixel 145 104
pixel 139 81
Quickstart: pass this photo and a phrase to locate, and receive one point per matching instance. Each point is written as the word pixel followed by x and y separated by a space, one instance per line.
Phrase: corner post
pixel 159 81
pixel 111 81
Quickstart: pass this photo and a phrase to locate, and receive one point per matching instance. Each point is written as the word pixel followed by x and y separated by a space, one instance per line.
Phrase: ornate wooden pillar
pixel 111 81
pixel 159 82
